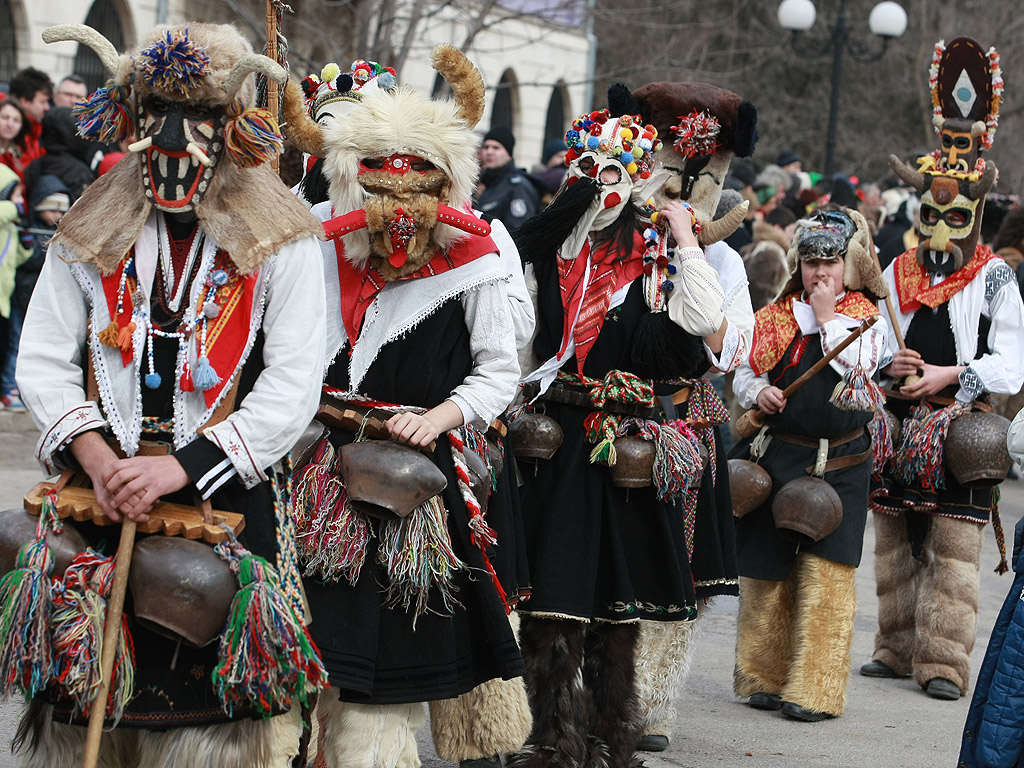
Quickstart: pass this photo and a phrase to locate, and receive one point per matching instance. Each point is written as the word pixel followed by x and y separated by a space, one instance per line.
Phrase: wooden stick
pixel 111 633
pixel 893 320
pixel 272 105
pixel 750 422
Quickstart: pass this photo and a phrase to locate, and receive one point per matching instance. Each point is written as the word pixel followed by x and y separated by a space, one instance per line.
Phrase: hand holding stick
pixel 752 421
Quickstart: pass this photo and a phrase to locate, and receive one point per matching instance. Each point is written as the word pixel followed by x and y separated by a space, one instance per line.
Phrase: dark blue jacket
pixel 994 731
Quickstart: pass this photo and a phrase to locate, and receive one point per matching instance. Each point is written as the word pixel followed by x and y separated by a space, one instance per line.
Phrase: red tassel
pixel 124 337
pixel 185 383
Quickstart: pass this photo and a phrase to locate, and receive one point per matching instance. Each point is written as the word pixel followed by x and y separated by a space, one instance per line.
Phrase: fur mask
pixel 397 156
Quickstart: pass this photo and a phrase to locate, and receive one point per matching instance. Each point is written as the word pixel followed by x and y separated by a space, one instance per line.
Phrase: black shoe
pixel 795 711
pixel 770 701
pixel 653 742
pixel 879 669
pixel 481 762
pixel 941 688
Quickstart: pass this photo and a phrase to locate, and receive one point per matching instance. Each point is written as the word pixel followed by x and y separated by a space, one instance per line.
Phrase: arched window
pixel 556 122
pixel 505 108
pixel 8 42
pixel 104 17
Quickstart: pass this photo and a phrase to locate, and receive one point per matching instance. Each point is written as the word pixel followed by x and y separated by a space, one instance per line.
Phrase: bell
pixel 976 449
pixel 18 527
pixel 181 589
pixel 479 477
pixel 807 510
pixel 497 457
pixel 388 479
pixel 304 449
pixel 634 463
pixel 534 436
pixel 751 485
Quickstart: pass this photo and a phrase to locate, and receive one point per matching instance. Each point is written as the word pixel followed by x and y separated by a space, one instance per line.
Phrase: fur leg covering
pixel 947 602
pixel 663 659
pixel 42 743
pixel 369 735
pixel 826 601
pixel 553 653
pixel 609 673
pixel 492 719
pixel 897 575
pixel 764 636
pixel 271 743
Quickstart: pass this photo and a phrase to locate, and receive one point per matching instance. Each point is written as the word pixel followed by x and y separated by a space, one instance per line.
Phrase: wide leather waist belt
pixel 566 395
pixel 842 462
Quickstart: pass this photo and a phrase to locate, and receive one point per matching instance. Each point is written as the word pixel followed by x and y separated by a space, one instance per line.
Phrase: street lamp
pixel 887 20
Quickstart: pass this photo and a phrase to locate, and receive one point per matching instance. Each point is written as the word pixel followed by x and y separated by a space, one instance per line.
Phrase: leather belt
pixel 842 462
pixel 941 400
pixel 560 393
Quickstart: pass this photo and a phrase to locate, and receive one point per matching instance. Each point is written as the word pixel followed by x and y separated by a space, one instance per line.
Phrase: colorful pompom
pixel 329 72
pixel 252 136
pixel 174 64
pixel 106 115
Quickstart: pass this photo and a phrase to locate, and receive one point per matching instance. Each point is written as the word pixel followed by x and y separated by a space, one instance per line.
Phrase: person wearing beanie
pixel 508 194
pixel 790 161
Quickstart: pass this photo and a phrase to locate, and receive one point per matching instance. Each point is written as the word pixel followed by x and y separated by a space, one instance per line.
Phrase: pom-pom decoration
pixel 619 138
pixel 857 392
pixel 106 115
pixel 251 136
pixel 174 64
pixel 697 134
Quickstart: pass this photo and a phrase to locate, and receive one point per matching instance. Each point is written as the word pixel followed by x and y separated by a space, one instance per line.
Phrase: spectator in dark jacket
pixel 66 154
pixel 508 194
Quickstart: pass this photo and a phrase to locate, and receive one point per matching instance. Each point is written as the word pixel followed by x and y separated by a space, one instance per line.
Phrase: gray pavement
pixel 888 724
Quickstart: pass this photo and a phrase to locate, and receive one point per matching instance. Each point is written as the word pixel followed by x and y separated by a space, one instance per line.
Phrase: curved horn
pixel 978 189
pixel 252 62
pixel 721 228
pixel 301 131
pixel 465 80
pixel 914 178
pixel 80 33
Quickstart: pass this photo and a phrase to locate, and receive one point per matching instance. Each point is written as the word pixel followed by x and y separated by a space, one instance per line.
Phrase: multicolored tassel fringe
pixel 267 660
pixel 882 451
pixel 600 427
pixel 106 115
pixel 252 136
pixel 922 446
pixel 857 392
pixel 175 64
pixel 78 619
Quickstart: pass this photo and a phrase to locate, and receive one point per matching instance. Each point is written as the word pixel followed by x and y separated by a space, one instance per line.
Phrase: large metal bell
pixel 634 462
pixel 807 510
pixel 750 485
pixel 18 527
pixel 181 589
pixel 388 479
pixel 534 436
pixel 976 449
pixel 479 477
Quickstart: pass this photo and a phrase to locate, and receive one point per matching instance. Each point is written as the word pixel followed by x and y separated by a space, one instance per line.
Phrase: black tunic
pixel 764 554
pixel 372 653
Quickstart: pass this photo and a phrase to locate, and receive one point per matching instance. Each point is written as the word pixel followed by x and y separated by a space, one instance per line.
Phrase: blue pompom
pixel 626 158
pixel 593 142
pixel 153 380
pixel 571 136
pixel 651 234
pixel 387 81
pixel 671 269
pixel 667 286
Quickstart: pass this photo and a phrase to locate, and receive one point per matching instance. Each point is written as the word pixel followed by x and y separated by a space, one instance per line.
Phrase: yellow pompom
pixel 631 169
pixel 654 217
pixel 625 133
pixel 329 72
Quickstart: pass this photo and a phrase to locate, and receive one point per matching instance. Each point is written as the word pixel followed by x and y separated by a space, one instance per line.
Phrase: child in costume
pixel 959 309
pixel 618 324
pixel 407 611
pixel 798 598
pixel 177 324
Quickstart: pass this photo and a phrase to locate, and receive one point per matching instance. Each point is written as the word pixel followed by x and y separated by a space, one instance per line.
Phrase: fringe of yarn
pixel 417 555
pixel 882 450
pixel 205 376
pixel 481 534
pixel 252 136
pixel 600 427
pixel 106 114
pixel 857 392
pixel 706 411
pixel 78 620
pixel 175 64
pixel 922 446
pixel 677 461
pixel 267 658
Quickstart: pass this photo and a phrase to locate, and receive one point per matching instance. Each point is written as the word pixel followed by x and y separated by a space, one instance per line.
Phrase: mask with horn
pixel 966 85
pixel 705 126
pixel 188 96
pixel 405 166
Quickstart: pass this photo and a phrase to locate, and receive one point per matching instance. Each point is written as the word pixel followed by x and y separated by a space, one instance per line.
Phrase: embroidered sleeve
pixel 866 351
pixel 53 441
pixel 697 300
pixel 971 384
pixel 206 465
pixel 1001 369
pixel 747 386
pixel 996 278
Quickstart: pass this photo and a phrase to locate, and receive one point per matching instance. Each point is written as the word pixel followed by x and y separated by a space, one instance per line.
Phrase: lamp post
pixel 887 20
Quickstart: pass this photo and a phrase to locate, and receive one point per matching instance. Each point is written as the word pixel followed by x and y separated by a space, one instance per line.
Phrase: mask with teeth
pixel 187 140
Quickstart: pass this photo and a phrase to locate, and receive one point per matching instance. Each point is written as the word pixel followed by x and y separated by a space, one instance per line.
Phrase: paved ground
pixel 888 724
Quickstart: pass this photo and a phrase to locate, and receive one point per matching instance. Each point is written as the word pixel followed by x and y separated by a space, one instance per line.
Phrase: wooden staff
pixel 111 632
pixel 272 105
pixel 750 422
pixel 912 378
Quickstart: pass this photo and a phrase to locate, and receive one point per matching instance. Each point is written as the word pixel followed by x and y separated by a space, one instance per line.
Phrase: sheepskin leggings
pixel 368 735
pixel 927 607
pixel 793 637
pixel 663 660
pixel 492 719
pixel 268 743
pixel 581 682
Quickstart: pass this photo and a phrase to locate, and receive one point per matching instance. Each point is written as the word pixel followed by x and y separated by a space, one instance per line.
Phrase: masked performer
pixel 705 126
pixel 959 310
pixel 797 590
pixel 408 610
pixel 184 289
pixel 614 315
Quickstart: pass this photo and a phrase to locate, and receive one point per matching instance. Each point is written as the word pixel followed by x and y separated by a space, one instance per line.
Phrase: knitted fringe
pixel 106 115
pixel 882 450
pixel 677 461
pixel 921 451
pixel 252 136
pixel 857 392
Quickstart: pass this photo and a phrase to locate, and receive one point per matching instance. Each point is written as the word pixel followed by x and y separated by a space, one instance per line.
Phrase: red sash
pixel 913 282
